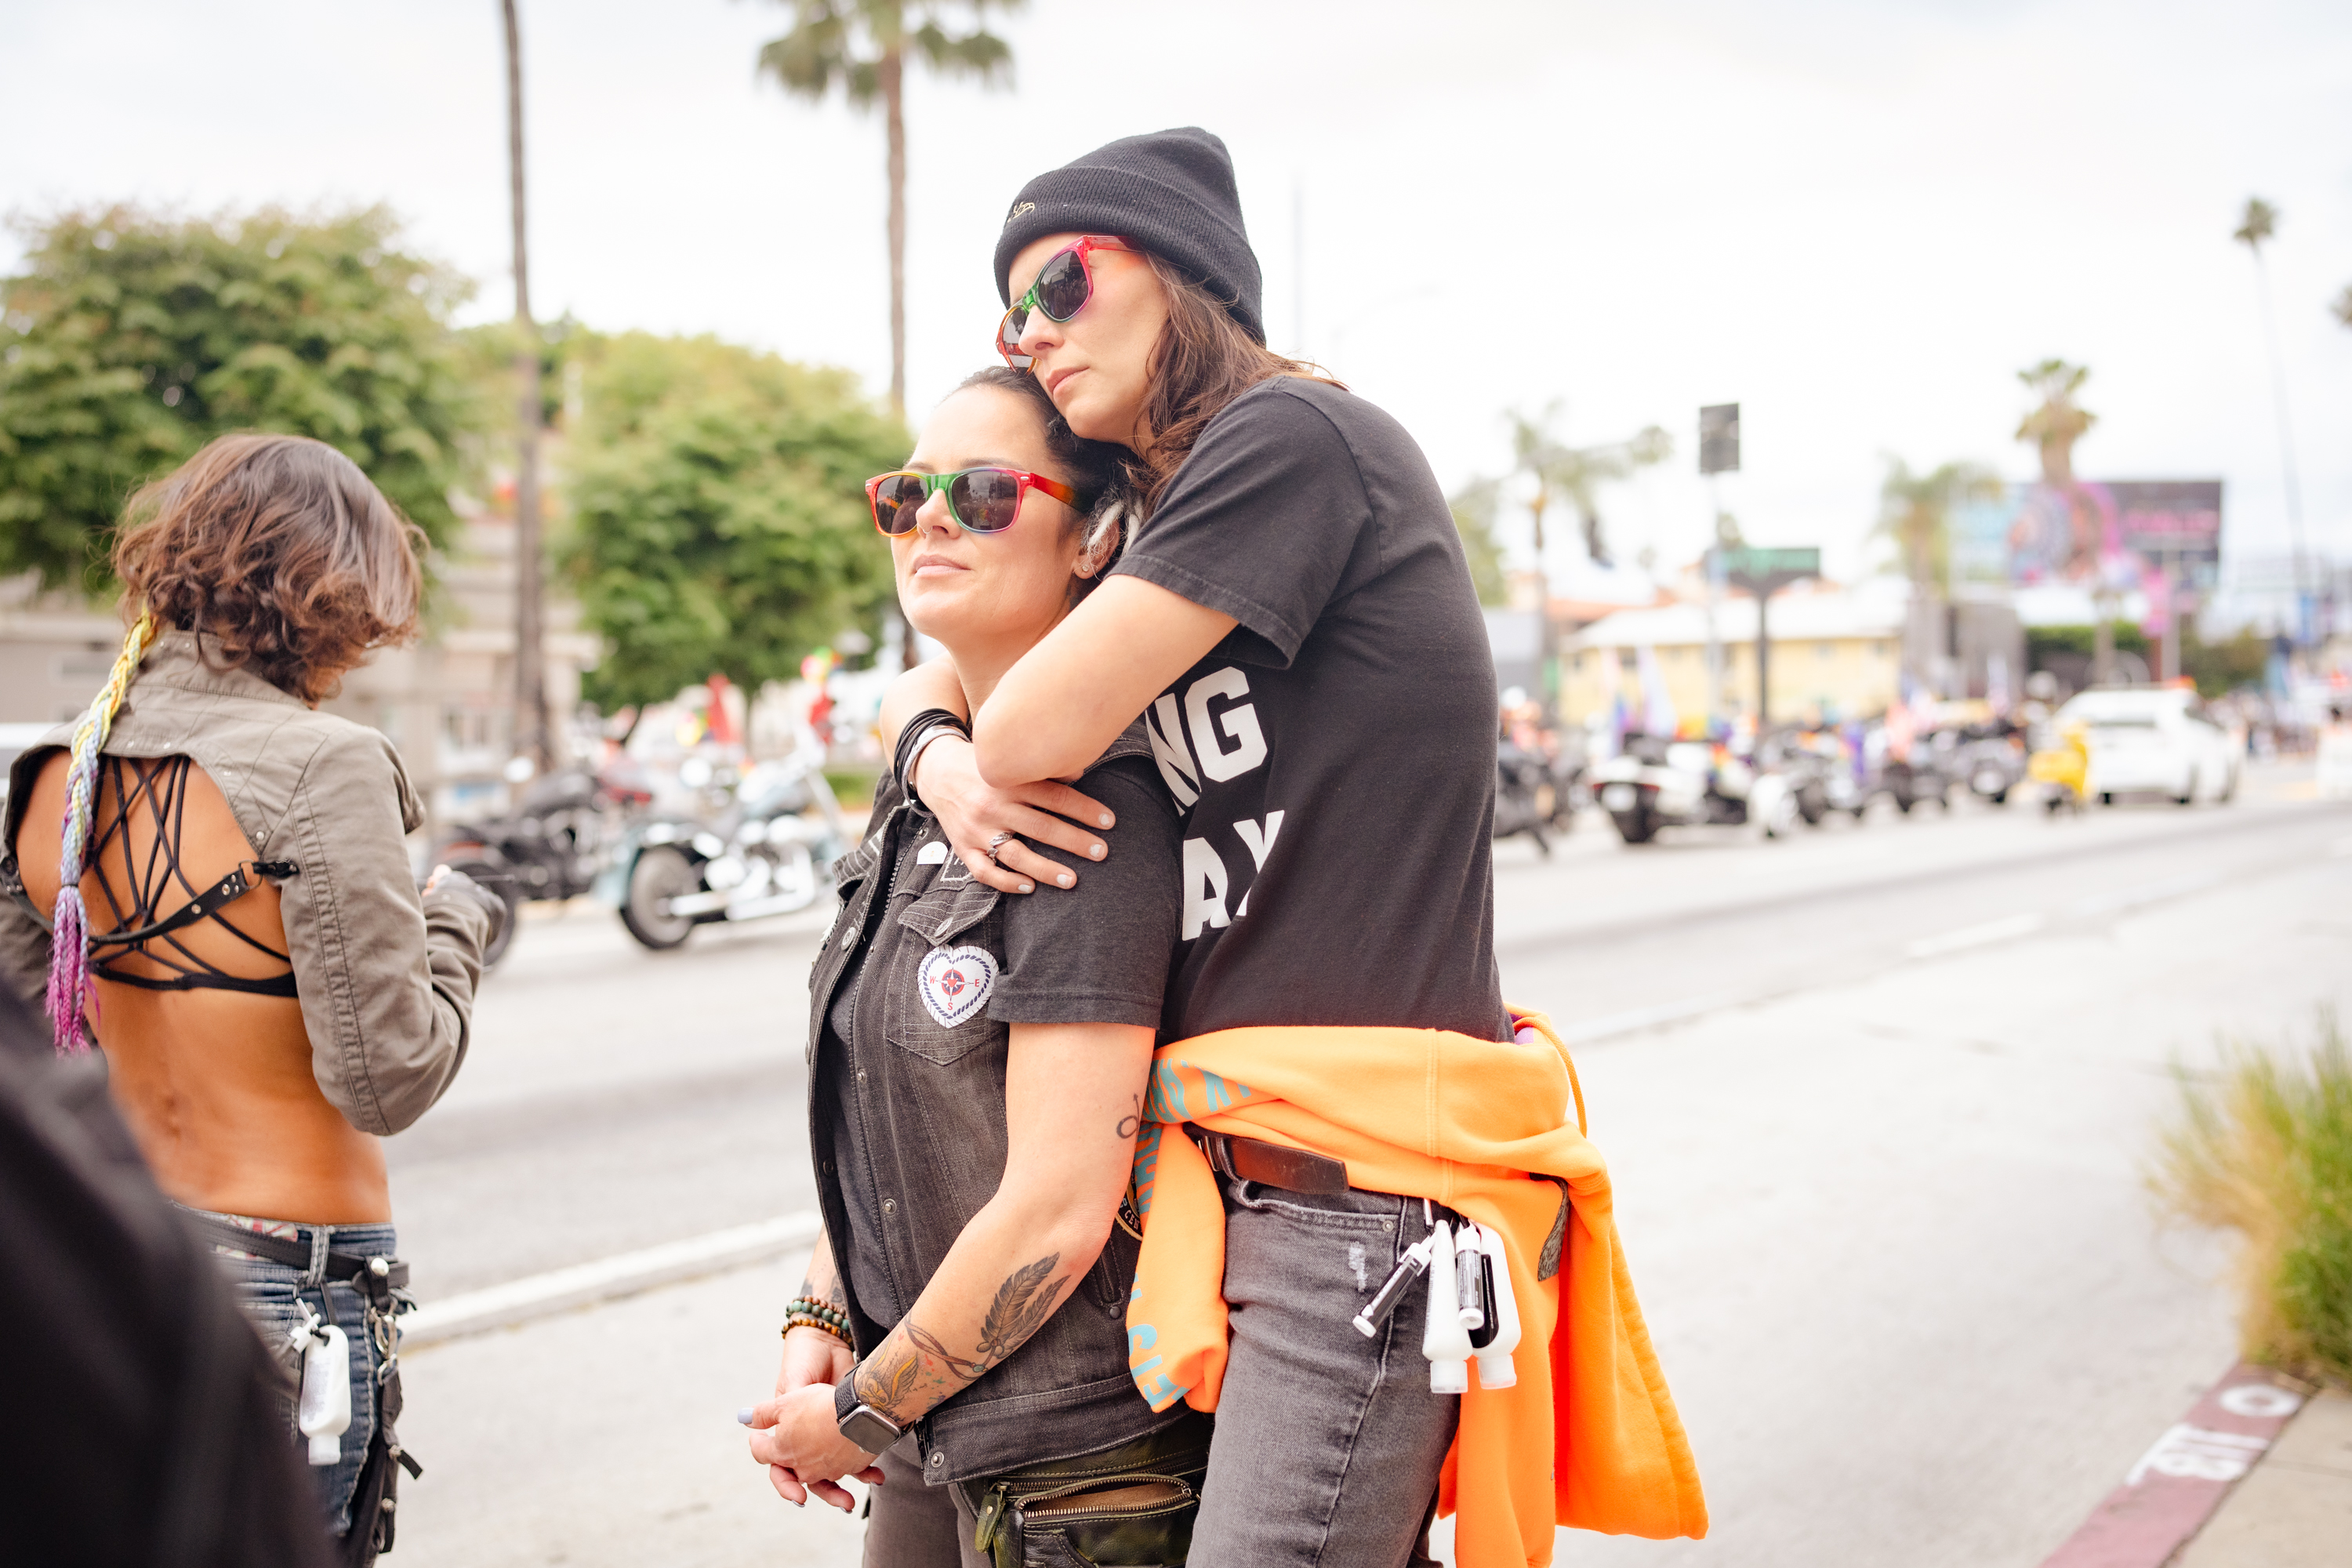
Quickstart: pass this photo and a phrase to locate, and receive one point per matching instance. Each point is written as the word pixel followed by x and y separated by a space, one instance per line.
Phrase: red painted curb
pixel 2178 1483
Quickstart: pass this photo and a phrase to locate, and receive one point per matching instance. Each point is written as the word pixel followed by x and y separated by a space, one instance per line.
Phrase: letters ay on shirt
pixel 1204 734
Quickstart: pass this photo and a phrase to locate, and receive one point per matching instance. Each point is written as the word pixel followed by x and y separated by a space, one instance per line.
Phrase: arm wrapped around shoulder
pixel 386 974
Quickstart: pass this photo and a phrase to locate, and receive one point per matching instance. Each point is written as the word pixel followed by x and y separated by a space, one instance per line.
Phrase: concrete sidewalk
pixel 2293 1509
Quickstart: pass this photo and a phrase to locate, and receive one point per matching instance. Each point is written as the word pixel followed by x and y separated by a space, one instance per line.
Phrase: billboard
pixel 2119 534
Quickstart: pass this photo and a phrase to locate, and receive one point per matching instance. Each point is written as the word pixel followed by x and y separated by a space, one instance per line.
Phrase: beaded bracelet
pixel 807 1312
pixel 801 1320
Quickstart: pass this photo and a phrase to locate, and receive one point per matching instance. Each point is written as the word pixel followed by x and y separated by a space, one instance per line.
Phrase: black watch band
pixel 860 1423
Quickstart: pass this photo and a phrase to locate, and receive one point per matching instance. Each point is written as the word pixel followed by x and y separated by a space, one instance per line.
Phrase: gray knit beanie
pixel 1171 192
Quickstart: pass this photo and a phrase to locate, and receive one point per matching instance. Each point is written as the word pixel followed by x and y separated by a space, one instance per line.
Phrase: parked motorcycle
pixel 1565 790
pixel 1654 783
pixel 1813 768
pixel 1522 799
pixel 771 851
pixel 553 845
pixel 1929 773
pixel 1992 760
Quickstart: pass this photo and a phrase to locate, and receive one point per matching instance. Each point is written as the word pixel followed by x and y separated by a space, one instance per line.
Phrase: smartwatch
pixel 860 1423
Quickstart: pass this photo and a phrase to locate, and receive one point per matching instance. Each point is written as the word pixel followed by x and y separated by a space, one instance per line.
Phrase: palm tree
pixel 1576 473
pixel 531 737
pixel 1915 514
pixel 2254 231
pixel 2055 422
pixel 864 44
pixel 2054 425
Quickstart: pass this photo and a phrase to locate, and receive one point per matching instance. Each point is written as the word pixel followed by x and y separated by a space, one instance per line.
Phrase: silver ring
pixel 997 842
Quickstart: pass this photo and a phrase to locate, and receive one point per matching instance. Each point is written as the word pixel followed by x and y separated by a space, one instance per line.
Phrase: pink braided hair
pixel 70 986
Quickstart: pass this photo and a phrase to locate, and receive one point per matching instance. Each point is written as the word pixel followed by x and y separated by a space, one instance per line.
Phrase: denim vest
pixel 933 1119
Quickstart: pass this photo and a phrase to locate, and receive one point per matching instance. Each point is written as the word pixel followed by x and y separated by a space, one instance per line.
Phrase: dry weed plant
pixel 2264 1146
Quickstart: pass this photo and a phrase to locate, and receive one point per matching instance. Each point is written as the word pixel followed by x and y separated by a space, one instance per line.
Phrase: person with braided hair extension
pixel 207 879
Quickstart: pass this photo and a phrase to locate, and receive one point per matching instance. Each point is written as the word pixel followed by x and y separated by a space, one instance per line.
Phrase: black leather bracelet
pixel 918 732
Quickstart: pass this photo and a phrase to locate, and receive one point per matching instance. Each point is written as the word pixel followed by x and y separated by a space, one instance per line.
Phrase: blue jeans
pixel 269 1294
pixel 1327 1444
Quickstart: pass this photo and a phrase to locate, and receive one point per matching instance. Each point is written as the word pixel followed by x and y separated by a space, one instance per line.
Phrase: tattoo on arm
pixel 1025 1300
pixel 1129 1126
pixel 929 1343
pixel 886 1378
pixel 914 1369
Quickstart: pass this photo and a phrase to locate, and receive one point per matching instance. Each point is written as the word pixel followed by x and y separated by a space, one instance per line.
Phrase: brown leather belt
pixel 1253 1160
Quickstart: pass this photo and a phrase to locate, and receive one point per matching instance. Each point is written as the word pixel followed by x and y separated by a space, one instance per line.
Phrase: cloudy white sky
pixel 1858 219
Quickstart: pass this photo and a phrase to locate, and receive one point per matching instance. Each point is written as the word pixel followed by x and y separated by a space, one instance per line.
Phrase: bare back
pixel 216 1083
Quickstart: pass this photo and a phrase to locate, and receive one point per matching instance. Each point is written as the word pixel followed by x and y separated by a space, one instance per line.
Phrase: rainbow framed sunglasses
pixel 982 501
pixel 1063 286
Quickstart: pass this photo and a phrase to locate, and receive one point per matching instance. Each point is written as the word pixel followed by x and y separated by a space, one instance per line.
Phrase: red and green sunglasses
pixel 1063 285
pixel 982 501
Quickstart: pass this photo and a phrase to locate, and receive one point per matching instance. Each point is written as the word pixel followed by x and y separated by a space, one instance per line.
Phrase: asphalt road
pixel 1878 1101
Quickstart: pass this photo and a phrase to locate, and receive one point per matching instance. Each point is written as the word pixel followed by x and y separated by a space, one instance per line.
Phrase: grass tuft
pixel 2265 1147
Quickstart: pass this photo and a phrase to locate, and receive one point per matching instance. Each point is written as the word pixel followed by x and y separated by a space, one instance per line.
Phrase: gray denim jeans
pixel 1327 1444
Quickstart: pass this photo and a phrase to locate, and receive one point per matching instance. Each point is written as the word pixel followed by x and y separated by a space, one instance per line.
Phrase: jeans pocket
pixel 1350 1211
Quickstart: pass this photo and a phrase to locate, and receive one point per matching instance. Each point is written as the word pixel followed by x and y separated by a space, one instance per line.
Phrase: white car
pixel 2158 739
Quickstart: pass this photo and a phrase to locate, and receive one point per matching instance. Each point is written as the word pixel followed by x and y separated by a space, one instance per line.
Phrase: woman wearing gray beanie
pixel 1295 622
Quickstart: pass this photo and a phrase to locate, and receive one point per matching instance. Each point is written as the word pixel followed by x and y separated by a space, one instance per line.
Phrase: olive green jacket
pixel 385 977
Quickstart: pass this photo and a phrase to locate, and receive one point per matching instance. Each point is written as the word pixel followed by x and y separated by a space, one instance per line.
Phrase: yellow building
pixel 1836 653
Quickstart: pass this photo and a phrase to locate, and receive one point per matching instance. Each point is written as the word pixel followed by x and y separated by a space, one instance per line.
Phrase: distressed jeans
pixel 1327 1444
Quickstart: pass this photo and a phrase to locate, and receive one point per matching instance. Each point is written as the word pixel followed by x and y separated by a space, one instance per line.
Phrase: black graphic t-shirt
pixel 1335 753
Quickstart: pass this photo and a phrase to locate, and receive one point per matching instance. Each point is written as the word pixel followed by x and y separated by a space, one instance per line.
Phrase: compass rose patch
pixel 955 983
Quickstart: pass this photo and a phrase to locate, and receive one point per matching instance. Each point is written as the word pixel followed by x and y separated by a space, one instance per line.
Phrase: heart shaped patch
pixel 954 983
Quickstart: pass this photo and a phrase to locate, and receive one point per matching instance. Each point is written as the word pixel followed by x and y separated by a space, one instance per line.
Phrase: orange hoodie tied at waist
pixel 1589 1436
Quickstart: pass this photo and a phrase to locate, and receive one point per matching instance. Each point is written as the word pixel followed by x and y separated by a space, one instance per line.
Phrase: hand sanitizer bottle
pixel 1495 1368
pixel 1443 1339
pixel 324 1412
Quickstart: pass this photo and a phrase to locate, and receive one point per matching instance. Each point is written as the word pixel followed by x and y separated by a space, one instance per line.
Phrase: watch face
pixel 870 1432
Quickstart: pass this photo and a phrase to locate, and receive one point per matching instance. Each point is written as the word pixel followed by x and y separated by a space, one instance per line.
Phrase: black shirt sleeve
pixel 1098 954
pixel 1261 520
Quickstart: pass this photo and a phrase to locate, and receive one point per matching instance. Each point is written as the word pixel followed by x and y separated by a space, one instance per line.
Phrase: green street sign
pixel 1750 561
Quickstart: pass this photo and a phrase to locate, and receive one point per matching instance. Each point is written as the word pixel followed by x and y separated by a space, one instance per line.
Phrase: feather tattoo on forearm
pixel 914 1369
pixel 1025 1300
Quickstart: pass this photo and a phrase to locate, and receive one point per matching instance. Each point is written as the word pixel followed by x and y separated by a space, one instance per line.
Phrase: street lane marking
pixel 1976 936
pixel 2140 897
pixel 625 1274
pixel 1609 1025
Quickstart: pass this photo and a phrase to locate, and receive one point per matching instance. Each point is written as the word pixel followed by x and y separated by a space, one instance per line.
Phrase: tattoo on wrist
pixel 1129 1126
pixel 884 1381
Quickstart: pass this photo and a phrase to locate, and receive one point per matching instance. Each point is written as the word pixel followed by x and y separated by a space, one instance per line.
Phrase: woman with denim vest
pixel 977 1084
pixel 1293 621
pixel 207 878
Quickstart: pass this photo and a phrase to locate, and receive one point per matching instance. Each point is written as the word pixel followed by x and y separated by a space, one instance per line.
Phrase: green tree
pixel 131 339
pixel 1473 516
pixel 864 44
pixel 717 511
pixel 1915 515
